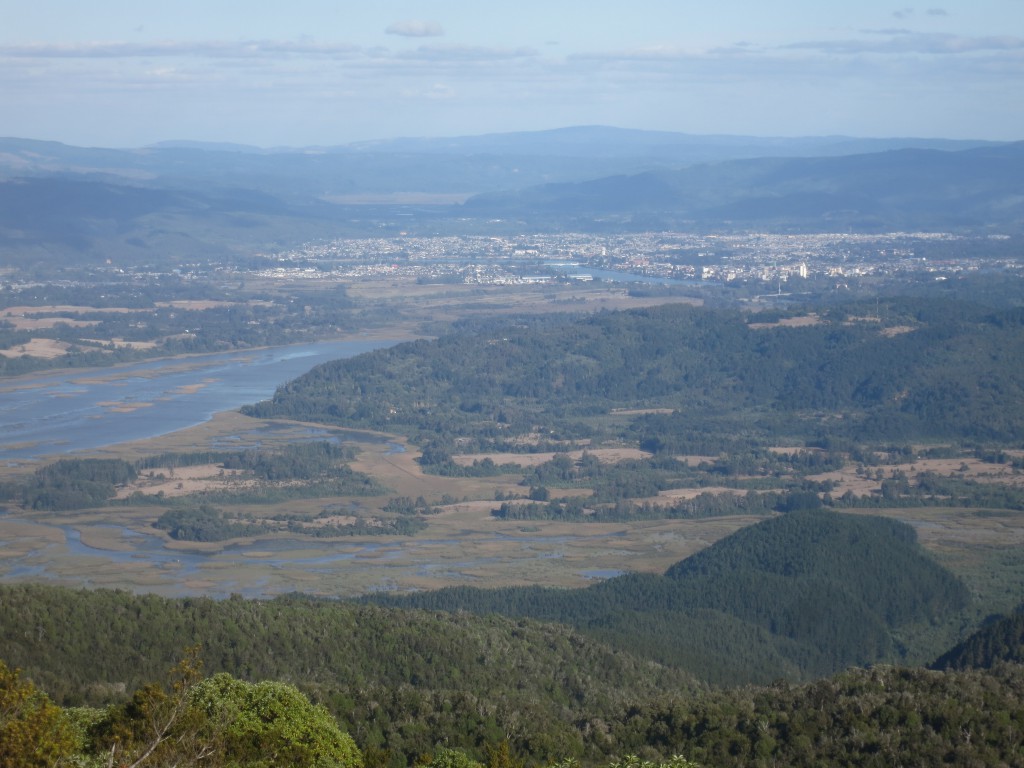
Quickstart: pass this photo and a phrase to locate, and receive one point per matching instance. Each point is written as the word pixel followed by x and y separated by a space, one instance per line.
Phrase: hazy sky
pixel 321 72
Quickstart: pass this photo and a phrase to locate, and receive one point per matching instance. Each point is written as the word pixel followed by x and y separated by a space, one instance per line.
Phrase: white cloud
pixel 445 53
pixel 245 49
pixel 242 89
pixel 938 44
pixel 654 53
pixel 414 28
pixel 889 31
pixel 436 92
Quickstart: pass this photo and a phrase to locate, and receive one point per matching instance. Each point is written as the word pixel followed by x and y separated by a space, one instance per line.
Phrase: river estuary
pixel 53 415
pixel 60 413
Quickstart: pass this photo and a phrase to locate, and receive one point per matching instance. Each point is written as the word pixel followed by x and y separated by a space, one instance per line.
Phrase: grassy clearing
pixel 528 460
pixel 45 348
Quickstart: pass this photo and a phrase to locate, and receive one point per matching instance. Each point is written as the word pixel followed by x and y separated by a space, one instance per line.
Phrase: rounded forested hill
pixel 839 585
pixel 1000 640
pixel 797 596
pixel 871 563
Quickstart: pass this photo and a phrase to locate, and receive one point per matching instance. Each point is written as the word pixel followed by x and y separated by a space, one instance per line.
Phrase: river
pixel 59 413
pixel 54 414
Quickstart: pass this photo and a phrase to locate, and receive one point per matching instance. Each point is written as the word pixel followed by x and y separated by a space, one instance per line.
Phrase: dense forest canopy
pixel 804 594
pixel 398 680
pixel 392 691
pixel 1001 640
pixel 907 370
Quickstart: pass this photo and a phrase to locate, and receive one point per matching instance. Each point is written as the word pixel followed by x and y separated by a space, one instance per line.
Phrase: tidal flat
pixel 463 544
pixel 118 547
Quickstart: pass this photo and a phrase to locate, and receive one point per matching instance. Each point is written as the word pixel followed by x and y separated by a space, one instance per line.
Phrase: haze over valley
pixel 546 385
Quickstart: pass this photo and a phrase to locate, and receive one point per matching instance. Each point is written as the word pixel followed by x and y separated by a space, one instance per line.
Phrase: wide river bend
pixel 59 413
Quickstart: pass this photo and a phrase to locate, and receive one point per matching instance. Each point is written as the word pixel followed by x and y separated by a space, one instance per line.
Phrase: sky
pixel 127 73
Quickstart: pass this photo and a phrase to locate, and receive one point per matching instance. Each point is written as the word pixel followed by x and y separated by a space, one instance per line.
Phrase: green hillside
pixel 883 716
pixel 460 678
pixel 805 594
pixel 933 369
pixel 412 688
pixel 999 641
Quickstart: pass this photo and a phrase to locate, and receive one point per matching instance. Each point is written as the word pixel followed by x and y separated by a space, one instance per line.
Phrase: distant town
pixel 650 257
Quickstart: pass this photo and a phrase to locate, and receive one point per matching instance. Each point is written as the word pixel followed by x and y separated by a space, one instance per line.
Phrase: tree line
pixel 934 369
pixel 194 715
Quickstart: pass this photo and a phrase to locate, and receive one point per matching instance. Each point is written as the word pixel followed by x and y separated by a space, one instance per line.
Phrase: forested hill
pixel 1000 641
pixel 801 595
pixel 511 693
pixel 399 679
pixel 902 370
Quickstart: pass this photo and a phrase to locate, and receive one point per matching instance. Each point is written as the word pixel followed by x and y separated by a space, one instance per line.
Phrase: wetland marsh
pixel 278 536
pixel 118 547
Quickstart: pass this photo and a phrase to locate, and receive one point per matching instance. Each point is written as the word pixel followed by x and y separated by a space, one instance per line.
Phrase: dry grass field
pixel 848 478
pixel 47 349
pixel 171 482
pixel 789 322
pixel 528 460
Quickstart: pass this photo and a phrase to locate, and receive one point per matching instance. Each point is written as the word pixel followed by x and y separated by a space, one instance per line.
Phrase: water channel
pixel 60 413
pixel 56 414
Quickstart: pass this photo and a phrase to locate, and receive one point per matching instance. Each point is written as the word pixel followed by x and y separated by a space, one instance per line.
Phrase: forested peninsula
pixel 899 370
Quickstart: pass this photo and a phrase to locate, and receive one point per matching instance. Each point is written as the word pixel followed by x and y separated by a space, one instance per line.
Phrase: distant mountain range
pixel 209 198
pixel 468 164
pixel 899 189
pixel 597 141
pixel 604 141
